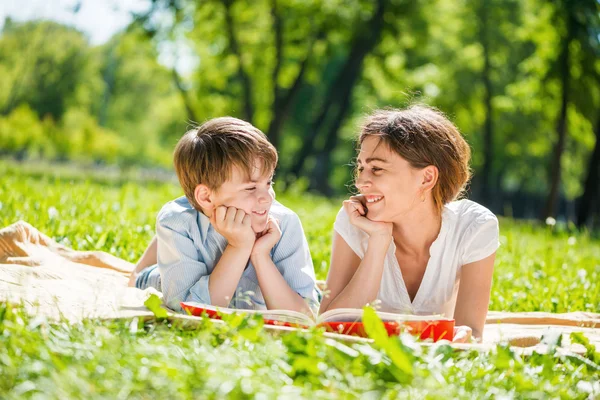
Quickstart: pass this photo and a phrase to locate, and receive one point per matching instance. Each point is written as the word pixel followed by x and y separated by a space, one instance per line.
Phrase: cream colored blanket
pixel 58 282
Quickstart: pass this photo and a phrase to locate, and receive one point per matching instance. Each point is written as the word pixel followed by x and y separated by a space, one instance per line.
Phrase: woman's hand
pixel 462 334
pixel 357 211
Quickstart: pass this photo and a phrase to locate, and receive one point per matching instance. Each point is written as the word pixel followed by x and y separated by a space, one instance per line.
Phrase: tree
pixel 574 18
pixel 591 192
pixel 48 63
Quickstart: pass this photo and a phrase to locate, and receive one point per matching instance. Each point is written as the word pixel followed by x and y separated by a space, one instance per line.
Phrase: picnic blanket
pixel 55 281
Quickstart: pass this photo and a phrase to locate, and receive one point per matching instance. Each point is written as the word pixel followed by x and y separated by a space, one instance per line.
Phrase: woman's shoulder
pixel 476 228
pixel 466 212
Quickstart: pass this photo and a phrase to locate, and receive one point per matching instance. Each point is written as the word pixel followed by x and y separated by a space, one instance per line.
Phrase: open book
pixel 347 321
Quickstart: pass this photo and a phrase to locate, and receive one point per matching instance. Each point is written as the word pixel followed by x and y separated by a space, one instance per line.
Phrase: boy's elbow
pixel 173 304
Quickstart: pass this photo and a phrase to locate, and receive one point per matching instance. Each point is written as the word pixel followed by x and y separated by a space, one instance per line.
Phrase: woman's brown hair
pixel 424 136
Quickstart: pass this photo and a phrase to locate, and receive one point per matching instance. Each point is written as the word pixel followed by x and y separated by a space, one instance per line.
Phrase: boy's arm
pixel 277 293
pixel 186 278
pixel 183 276
pixel 227 273
pixel 287 281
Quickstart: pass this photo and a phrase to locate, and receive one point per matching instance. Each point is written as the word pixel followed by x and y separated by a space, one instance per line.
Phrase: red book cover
pixel 342 321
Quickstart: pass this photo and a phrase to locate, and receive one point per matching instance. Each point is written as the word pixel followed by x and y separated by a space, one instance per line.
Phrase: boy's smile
pixel 253 194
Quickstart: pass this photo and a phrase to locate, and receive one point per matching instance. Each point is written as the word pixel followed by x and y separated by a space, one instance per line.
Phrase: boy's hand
pixel 267 239
pixel 132 279
pixel 234 224
pixel 356 209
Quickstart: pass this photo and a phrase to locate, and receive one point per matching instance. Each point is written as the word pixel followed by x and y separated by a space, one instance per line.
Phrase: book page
pixel 355 314
pixel 292 317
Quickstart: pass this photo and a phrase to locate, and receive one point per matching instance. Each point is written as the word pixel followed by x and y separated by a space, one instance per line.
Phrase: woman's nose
pixel 362 183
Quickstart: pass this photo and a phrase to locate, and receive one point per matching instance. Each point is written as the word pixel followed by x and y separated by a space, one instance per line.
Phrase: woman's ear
pixel 430 177
pixel 202 195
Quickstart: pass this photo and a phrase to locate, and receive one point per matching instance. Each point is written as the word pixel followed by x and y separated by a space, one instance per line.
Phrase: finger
pixel 272 225
pixel 274 221
pixel 220 213
pixel 360 208
pixel 462 334
pixel 275 225
pixel 239 216
pixel 459 337
pixel 230 215
pixel 360 198
pixel 246 221
pixel 354 207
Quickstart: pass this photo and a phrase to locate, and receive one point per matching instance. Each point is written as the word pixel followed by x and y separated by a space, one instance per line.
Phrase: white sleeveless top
pixel 469 233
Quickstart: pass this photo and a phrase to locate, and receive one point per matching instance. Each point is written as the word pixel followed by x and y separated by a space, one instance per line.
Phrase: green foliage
pixel 399 355
pixel 556 262
pixel 153 302
pixel 237 359
pixel 215 360
pixel 116 104
pixel 66 100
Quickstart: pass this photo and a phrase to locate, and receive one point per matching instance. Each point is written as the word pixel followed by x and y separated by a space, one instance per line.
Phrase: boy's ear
pixel 202 196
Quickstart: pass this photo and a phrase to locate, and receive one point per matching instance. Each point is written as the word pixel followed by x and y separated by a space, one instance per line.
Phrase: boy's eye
pixel 250 189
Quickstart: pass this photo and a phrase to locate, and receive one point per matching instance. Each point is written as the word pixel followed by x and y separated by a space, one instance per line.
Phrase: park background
pixel 111 86
pixel 95 94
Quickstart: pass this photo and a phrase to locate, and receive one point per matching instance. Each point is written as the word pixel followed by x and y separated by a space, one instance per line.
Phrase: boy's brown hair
pixel 423 136
pixel 206 154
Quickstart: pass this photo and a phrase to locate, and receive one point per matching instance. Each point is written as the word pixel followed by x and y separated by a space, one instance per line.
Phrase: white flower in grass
pixel 550 221
pixel 52 212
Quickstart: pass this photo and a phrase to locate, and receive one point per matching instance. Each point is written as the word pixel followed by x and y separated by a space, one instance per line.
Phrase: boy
pixel 227 242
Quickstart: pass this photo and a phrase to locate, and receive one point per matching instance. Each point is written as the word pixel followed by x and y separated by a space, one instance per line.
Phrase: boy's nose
pixel 265 197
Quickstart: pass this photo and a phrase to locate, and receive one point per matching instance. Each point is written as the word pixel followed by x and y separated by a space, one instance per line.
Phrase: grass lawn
pixel 539 268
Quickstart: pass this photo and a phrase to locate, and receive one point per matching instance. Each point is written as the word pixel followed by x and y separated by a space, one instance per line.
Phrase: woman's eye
pixel 361 169
pixel 375 169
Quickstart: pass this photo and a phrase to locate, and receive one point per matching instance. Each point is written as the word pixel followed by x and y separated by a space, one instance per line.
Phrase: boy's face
pixel 254 196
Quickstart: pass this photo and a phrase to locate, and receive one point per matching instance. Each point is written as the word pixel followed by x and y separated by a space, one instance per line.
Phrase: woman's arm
pixel 352 283
pixel 474 294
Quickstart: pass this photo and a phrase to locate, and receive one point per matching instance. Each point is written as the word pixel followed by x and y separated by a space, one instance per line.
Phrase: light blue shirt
pixel 189 248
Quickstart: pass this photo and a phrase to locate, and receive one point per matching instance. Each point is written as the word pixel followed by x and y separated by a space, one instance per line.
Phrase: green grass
pixel 539 268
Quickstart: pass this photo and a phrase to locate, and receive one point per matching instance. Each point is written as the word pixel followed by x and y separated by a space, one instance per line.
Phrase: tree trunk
pixel 185 96
pixel 322 171
pixel 488 134
pixel 363 43
pixel 272 133
pixel 109 81
pixel 561 126
pixel 248 105
pixel 282 103
pixel 591 191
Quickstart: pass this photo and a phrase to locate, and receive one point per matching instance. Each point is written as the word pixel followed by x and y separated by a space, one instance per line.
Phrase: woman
pixel 405 241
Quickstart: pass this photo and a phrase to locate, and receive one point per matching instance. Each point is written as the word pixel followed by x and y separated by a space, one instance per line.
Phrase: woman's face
pixel 391 187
